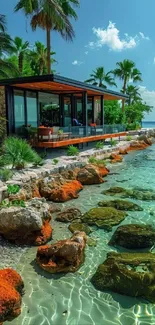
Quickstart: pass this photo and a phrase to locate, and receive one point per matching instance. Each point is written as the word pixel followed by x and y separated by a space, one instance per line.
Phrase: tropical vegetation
pixel 101 79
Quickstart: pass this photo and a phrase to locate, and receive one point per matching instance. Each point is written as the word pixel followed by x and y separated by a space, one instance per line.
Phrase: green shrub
pixel 13 189
pixel 72 151
pixel 92 160
pixel 38 162
pixel 128 138
pixel 18 153
pixel 99 145
pixel 55 161
pixel 5 174
pixel 113 142
pixel 15 203
pixel 60 132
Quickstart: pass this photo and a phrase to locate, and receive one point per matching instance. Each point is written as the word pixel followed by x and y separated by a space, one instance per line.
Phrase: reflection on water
pixel 71 299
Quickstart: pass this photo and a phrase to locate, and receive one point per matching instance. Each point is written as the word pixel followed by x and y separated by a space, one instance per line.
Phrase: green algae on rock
pixel 121 205
pixel 104 218
pixel 133 236
pixel 92 242
pixel 77 226
pixel 134 193
pixel 124 273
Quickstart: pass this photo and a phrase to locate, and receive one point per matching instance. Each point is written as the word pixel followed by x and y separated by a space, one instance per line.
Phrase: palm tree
pixel 20 48
pixel 7 69
pixel 39 58
pixel 133 93
pixel 100 78
pixel 50 15
pixel 126 70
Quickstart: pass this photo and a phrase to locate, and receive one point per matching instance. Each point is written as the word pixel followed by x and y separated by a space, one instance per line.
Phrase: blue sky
pixel 107 31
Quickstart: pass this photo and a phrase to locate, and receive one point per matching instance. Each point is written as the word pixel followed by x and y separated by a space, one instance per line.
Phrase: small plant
pixel 38 162
pixel 5 174
pixel 15 203
pixel 99 145
pixel 55 161
pixel 113 142
pixel 60 132
pixel 72 151
pixel 13 189
pixel 92 160
pixel 18 153
pixel 128 138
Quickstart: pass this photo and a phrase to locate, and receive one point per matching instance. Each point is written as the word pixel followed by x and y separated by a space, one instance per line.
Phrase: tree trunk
pixel 48 50
pixel 124 91
pixel 41 68
pixel 20 64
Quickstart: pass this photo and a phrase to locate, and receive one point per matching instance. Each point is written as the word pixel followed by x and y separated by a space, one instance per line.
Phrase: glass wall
pixel 90 111
pixel 49 109
pixel 19 110
pixel 97 112
pixel 31 101
pixel 79 110
pixel 67 111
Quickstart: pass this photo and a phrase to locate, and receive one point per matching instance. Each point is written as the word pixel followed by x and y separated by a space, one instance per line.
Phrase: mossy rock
pixel 104 218
pixel 133 236
pixel 135 193
pixel 91 242
pixel 130 274
pixel 77 226
pixel 121 205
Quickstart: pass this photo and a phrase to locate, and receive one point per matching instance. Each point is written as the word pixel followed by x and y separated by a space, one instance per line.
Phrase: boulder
pixel 104 218
pixel 60 190
pixel 123 151
pixel 77 226
pixel 27 225
pixel 11 287
pixel 115 158
pixel 134 193
pixel 121 205
pixel 133 236
pixel 130 274
pixel 92 174
pixel 64 256
pixel 137 145
pixel 69 215
pixel 28 191
pixel 145 139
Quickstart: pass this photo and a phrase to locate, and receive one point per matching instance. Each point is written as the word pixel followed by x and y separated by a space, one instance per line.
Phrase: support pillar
pixel 84 110
pixel 102 111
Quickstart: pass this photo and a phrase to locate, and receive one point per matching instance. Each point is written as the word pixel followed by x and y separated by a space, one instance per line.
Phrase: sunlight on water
pixel 71 299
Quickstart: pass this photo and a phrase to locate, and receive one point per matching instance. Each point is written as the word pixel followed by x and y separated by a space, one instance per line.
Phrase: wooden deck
pixel 67 142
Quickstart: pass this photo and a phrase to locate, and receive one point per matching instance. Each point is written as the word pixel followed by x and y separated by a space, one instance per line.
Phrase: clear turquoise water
pixel 71 299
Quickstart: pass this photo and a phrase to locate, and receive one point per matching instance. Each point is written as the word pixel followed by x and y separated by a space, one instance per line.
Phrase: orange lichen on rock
pixel 115 158
pixel 103 171
pixel 11 286
pixel 92 174
pixel 45 234
pixel 66 192
pixel 137 145
pixel 123 151
pixel 63 256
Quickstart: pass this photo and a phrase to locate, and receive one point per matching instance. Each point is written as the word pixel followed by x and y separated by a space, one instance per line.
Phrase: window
pixel 90 111
pixel 31 100
pixel 19 112
pixel 49 109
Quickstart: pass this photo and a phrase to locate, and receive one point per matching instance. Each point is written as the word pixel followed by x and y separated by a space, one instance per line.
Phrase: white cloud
pixel 148 96
pixel 111 37
pixel 76 62
pixel 143 36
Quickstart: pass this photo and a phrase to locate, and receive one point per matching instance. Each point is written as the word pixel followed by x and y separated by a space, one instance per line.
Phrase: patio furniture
pixel 44 134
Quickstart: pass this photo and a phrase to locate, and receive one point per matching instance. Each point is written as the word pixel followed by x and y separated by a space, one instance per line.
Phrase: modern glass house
pixel 52 100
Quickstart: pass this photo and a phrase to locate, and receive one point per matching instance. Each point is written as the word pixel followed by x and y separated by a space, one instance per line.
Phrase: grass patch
pixel 5 174
pixel 99 145
pixel 72 151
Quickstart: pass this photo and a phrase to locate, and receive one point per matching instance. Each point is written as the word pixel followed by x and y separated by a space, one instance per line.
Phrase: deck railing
pixel 82 131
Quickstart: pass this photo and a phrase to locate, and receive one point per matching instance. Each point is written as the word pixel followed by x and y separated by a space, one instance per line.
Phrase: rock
pixel 69 215
pixel 77 226
pixel 145 139
pixel 64 256
pixel 91 242
pixel 70 174
pixel 135 193
pixel 11 286
pixel 115 158
pixel 123 151
pixel 137 145
pixel 124 273
pixel 133 236
pixel 121 205
pixel 29 225
pixel 28 191
pixel 60 190
pixel 104 218
pixel 92 174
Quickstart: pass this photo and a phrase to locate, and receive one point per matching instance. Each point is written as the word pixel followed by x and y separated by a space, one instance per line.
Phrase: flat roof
pixel 60 85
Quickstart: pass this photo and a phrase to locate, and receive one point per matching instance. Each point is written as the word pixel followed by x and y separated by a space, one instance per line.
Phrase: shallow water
pixel 71 299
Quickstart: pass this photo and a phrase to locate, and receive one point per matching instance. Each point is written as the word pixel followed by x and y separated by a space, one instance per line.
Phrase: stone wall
pixel 2 112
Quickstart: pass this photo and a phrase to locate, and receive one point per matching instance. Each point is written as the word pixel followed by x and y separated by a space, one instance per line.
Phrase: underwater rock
pixel 121 205
pixel 68 215
pixel 104 218
pixel 60 190
pixel 11 287
pixel 92 242
pixel 133 236
pixel 27 225
pixel 135 193
pixel 64 256
pixel 77 226
pixel 124 273
pixel 115 158
pixel 92 174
